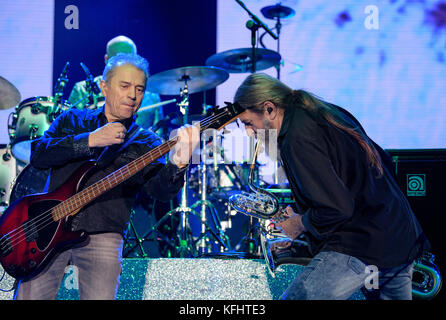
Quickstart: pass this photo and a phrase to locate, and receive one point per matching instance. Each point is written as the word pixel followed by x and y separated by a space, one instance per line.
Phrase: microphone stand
pixel 91 86
pixel 58 92
pixel 257 20
pixel 254 25
pixel 278 27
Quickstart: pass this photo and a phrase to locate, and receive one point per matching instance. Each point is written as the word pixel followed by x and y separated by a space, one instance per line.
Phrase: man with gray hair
pixel 110 136
pixel 82 97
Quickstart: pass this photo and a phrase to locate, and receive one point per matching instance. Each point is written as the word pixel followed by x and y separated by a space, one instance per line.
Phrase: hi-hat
pixel 277 11
pixel 240 60
pixel 198 79
pixel 9 95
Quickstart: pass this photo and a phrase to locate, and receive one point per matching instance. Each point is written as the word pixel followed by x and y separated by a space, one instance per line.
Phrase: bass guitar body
pixel 29 233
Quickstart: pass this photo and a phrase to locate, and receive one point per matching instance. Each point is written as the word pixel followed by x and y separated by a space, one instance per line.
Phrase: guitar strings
pixel 41 221
pixel 38 220
pixel 44 219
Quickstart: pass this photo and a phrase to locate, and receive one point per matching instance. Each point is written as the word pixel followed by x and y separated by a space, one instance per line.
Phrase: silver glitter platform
pixel 188 279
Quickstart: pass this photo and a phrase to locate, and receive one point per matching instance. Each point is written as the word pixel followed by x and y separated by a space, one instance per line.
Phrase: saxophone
pixel 258 203
pixel 264 205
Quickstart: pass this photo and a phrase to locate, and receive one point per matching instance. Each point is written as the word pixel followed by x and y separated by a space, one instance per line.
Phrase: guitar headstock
pixel 220 117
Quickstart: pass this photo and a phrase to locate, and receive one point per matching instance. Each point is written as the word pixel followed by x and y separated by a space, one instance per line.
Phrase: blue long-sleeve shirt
pixel 64 148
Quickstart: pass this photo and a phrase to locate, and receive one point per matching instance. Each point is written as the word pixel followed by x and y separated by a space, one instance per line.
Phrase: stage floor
pixel 189 279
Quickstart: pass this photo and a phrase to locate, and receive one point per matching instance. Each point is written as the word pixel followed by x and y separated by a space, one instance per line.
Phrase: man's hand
pixel 111 133
pixel 279 245
pixel 189 139
pixel 292 226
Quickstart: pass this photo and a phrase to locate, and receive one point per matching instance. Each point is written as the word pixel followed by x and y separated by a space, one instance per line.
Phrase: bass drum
pixel 29 181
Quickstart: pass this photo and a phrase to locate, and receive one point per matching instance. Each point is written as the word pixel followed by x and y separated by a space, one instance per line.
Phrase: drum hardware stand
pixel 185 242
pixel 219 236
pixel 6 157
pixel 278 27
pixel 145 237
pixel 138 240
pixel 249 244
pixel 204 242
pixel 277 12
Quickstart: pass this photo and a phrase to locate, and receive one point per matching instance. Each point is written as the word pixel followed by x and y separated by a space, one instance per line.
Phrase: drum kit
pixel 210 183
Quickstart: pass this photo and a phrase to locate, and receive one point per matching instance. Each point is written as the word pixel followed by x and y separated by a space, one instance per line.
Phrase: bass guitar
pixel 35 227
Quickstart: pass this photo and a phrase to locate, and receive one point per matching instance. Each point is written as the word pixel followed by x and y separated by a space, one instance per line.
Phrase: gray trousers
pixel 97 264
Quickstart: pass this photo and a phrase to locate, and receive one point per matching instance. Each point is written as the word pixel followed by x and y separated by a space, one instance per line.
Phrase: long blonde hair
pixel 258 88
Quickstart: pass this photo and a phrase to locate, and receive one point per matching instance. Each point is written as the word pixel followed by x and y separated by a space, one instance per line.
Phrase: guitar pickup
pixel 5 246
pixel 30 231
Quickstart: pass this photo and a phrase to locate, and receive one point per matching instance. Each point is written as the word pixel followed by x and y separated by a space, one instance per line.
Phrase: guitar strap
pixel 111 152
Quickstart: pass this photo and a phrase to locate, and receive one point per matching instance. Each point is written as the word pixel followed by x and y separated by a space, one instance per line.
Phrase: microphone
pixel 53 112
pixel 61 81
pixel 251 24
pixel 92 86
pixel 257 20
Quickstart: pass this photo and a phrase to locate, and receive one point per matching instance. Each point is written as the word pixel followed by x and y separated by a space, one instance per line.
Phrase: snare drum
pixel 32 118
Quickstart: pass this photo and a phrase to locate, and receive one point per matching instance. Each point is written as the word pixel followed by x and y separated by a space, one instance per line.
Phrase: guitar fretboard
pixel 82 198
pixel 73 204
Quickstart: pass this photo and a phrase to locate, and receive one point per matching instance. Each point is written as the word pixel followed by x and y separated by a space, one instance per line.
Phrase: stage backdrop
pixel 26 55
pixel 38 38
pixel 382 60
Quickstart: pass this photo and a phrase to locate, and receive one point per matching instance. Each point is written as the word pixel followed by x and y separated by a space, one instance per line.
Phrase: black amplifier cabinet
pixel 421 175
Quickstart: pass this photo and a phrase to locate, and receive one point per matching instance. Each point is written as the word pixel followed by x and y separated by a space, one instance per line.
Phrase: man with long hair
pixel 348 204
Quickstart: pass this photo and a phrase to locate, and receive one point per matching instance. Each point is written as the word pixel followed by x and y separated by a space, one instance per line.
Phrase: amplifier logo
pixel 416 185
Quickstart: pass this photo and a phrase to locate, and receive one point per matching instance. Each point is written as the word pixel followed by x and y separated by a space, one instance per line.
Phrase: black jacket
pixel 346 207
pixel 64 148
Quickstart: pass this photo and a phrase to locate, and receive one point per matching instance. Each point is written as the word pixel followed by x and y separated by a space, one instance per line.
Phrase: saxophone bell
pixel 259 203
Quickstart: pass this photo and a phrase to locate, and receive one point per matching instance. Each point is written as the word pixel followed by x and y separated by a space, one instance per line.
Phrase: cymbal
pixel 9 95
pixel 239 60
pixel 200 78
pixel 277 11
